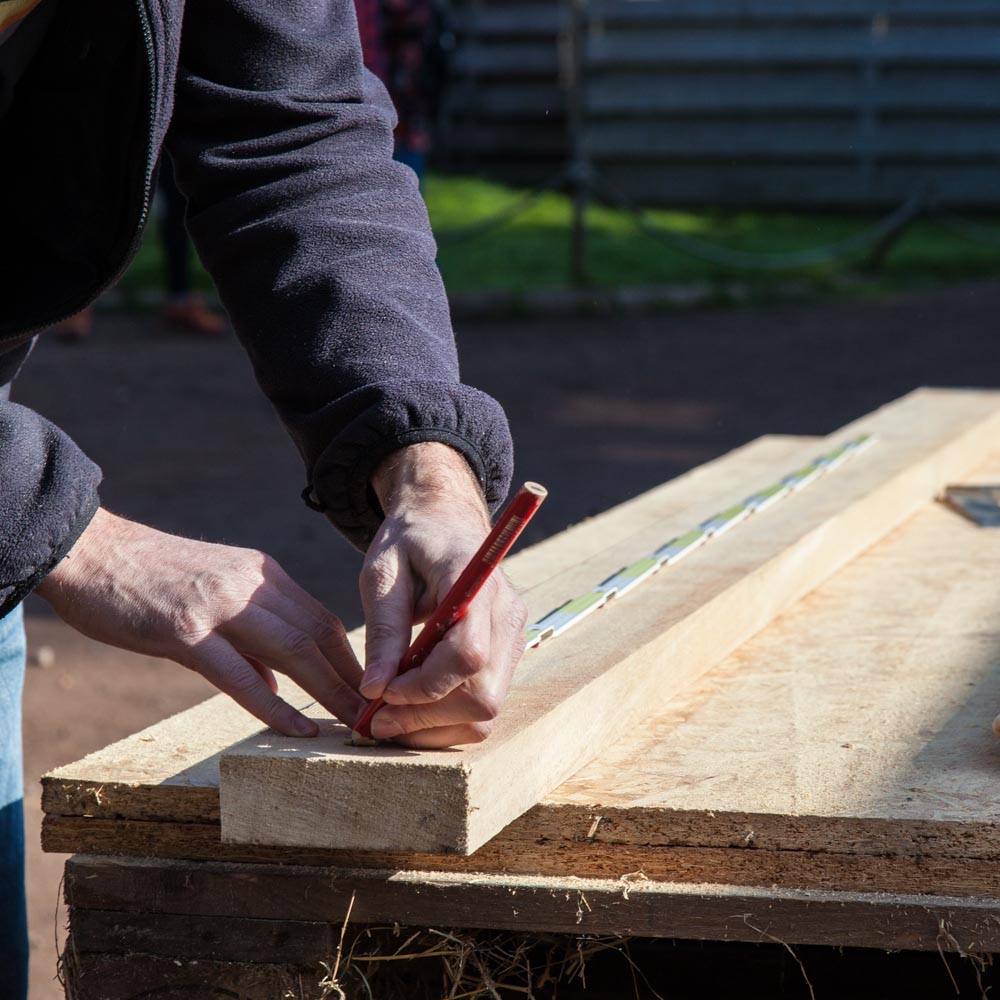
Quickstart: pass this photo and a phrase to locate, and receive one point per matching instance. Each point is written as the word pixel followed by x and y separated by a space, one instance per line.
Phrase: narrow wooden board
pixel 545 856
pixel 226 912
pixel 617 669
pixel 170 771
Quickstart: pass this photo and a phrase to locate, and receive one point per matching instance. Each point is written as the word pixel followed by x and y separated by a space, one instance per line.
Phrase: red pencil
pixel 452 609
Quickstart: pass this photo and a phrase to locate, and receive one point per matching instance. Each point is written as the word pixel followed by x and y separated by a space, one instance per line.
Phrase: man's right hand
pixel 231 614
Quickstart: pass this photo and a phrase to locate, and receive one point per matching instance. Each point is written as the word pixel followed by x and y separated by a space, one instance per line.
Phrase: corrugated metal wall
pixel 744 102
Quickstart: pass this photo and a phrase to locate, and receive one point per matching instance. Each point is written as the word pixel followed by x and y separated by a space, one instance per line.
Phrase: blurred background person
pixel 182 308
pixel 400 45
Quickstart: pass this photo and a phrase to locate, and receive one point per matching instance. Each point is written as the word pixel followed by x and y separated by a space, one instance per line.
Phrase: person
pixel 321 250
pixel 183 308
pixel 397 37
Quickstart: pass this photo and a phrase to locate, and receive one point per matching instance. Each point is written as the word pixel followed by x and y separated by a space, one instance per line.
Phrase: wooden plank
pixel 801 11
pixel 95 976
pixel 828 138
pixel 961 46
pixel 608 674
pixel 798 185
pixel 498 137
pixel 763 93
pixel 228 912
pixel 508 21
pixel 550 852
pixel 511 100
pixel 170 771
pixel 511 59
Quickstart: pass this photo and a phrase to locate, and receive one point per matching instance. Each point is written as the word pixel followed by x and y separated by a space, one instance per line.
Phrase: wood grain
pixel 170 771
pixel 744 865
pixel 893 721
pixel 219 912
pixel 618 668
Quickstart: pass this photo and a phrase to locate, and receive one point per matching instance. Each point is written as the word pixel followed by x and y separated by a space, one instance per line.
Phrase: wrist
pixel 74 563
pixel 426 474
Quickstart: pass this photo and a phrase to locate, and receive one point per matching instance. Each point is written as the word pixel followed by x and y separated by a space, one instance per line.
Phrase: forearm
pixel 322 251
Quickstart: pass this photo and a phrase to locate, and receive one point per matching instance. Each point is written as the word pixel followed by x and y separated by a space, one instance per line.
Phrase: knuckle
pixel 299 644
pixel 253 566
pixel 432 689
pixel 473 658
pixel 327 631
pixel 518 614
pixel 377 576
pixel 478 731
pixel 379 632
pixel 487 706
pixel 182 622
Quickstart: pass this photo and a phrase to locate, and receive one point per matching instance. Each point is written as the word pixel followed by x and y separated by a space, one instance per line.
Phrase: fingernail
pixel 376 676
pixel 385 729
pixel 301 726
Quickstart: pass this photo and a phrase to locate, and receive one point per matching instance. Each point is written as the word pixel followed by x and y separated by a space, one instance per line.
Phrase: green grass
pixel 532 250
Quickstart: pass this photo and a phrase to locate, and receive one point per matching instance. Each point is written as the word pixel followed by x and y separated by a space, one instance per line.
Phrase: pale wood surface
pixel 621 665
pixel 171 770
pixel 896 655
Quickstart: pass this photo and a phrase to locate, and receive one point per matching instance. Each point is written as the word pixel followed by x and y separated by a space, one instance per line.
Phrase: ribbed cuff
pixel 456 415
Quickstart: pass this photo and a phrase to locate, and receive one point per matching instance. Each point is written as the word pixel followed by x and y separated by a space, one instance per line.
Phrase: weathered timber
pixel 744 865
pixel 221 910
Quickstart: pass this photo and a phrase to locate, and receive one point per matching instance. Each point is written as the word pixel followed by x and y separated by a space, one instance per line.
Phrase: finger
pixel 461 708
pixel 284 583
pixel 265 671
pixel 259 633
pixel 387 599
pixel 446 736
pixel 325 628
pixel 218 662
pixel 461 655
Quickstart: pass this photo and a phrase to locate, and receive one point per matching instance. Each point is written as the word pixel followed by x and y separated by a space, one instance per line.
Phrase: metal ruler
pixel 629 577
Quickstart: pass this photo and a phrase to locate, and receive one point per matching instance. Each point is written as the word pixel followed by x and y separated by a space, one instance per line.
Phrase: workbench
pixel 833 780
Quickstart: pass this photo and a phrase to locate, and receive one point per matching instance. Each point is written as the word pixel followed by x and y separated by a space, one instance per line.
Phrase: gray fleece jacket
pixel 318 242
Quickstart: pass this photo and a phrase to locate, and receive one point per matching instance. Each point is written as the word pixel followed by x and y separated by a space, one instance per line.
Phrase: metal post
pixel 578 173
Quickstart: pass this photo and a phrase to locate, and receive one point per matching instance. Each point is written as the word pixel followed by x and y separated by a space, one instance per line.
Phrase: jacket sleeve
pixel 321 249
pixel 47 497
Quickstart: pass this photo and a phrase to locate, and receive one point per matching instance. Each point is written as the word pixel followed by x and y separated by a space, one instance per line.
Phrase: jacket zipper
pixel 147 38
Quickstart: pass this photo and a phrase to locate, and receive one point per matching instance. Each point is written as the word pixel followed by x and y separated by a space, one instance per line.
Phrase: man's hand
pixel 435 520
pixel 233 615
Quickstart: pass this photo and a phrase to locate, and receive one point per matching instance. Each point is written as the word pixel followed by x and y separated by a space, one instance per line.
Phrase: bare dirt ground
pixel 601 409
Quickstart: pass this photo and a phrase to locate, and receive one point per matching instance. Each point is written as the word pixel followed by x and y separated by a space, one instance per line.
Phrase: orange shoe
pixel 191 313
pixel 77 327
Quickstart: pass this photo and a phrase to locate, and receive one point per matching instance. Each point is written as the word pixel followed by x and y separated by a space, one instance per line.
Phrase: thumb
pixel 387 599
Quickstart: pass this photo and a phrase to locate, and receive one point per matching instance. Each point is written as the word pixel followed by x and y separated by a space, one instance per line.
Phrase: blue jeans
pixel 13 915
